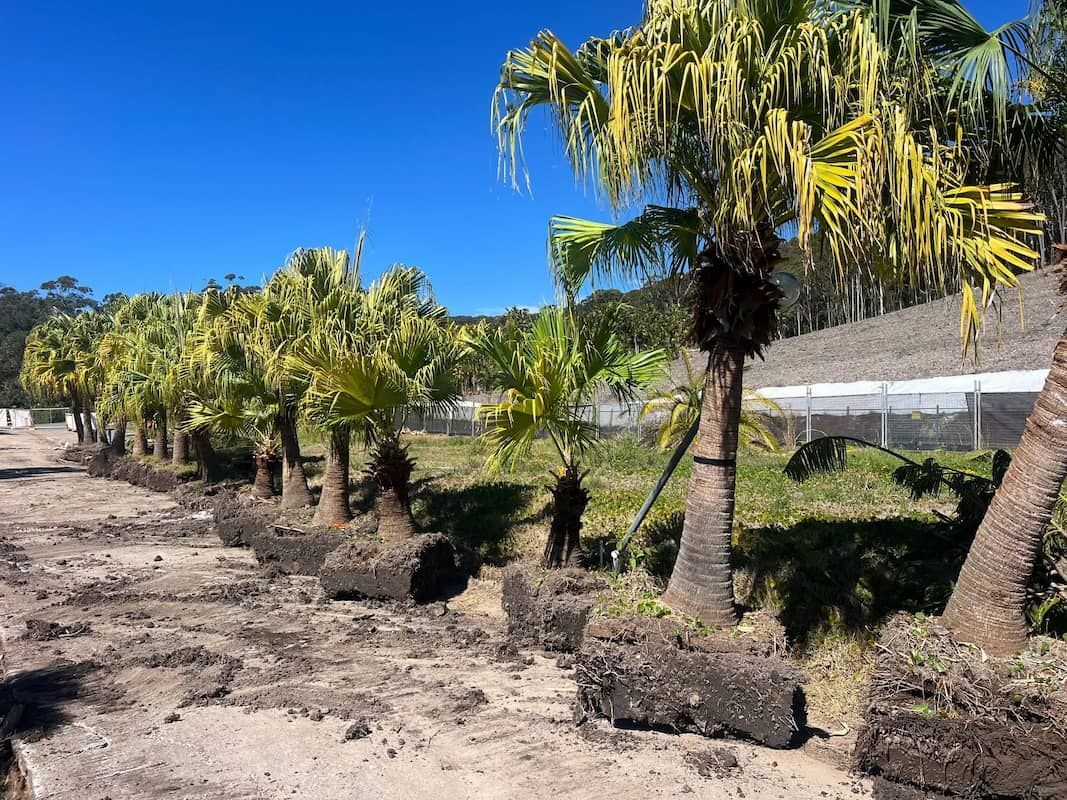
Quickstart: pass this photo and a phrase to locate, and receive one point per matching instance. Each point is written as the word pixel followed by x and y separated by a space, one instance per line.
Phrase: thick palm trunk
pixel 180 452
pixel 87 421
pixel 263 486
pixel 702 582
pixel 206 458
pixel 295 492
pixel 76 411
pixel 159 444
pixel 140 439
pixel 334 508
pixel 987 606
pixel 569 499
pixel 118 437
pixel 391 470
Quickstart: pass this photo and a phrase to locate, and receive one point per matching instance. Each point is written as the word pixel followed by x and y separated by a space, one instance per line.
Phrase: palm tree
pixel 549 376
pixel 62 362
pixel 746 118
pixel 378 354
pixel 679 407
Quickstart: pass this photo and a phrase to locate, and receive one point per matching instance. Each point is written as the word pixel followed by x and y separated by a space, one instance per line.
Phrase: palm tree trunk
pixel 76 410
pixel 263 486
pixel 205 457
pixel 140 439
pixel 118 438
pixel 569 499
pixel 90 428
pixel 987 605
pixel 333 508
pixel 295 492
pixel 180 452
pixel 702 582
pixel 391 469
pixel 159 444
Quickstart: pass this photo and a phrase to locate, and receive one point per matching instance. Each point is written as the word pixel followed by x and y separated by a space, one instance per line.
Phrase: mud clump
pixel 713 763
pixel 293 553
pixel 469 702
pixel 945 718
pixel 549 608
pixel 642 673
pixel 420 569
pixel 40 630
pixel 197 656
pixel 357 730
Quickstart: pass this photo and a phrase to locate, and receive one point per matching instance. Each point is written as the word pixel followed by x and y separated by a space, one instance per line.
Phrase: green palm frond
pixel 548 376
pixel 864 122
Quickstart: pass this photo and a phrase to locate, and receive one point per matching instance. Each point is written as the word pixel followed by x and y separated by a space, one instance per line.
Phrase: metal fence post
pixel 885 415
pixel 977 415
pixel 807 415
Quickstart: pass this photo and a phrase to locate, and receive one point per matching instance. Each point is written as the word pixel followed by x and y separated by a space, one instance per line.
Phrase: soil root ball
pixel 237 524
pixel 292 553
pixel 549 608
pixel 104 464
pixel 650 677
pixel 421 569
pixel 944 717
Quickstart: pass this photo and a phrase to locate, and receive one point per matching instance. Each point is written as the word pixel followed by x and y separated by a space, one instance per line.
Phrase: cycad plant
pixel 678 408
pixel 734 120
pixel 549 377
pixel 378 354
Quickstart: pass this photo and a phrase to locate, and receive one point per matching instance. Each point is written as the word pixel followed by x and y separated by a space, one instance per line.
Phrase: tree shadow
pixel 12 473
pixel 843 575
pixel 479 518
pixel 849 575
pixel 33 702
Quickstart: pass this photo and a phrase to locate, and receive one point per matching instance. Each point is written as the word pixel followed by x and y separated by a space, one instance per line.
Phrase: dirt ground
pixel 179 669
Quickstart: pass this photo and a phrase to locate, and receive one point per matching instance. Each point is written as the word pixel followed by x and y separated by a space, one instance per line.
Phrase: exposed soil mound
pixel 647 672
pixel 946 717
pixel 549 608
pixel 104 464
pixel 293 552
pixel 237 523
pixel 421 569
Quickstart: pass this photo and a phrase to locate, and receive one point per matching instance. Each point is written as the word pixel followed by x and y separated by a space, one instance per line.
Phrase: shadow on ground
pixel 32 702
pixel 33 472
pixel 479 518
pixel 845 575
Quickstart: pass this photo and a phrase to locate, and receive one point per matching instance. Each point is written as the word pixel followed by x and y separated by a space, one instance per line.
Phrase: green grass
pixel 622 473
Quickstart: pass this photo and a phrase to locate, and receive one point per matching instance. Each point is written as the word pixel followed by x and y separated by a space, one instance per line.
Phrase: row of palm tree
pixel 317 348
pixel 891 132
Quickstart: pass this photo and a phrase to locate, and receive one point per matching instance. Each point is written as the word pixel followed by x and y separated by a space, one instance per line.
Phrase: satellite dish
pixel 790 287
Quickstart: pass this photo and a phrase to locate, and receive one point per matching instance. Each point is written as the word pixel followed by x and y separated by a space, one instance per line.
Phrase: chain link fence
pixel 902 420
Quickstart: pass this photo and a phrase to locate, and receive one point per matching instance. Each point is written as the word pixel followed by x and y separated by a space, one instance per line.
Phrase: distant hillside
pixel 919 342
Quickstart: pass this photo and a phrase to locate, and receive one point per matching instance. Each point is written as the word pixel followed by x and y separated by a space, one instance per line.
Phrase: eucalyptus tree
pixel 733 120
pixel 374 355
pixel 550 377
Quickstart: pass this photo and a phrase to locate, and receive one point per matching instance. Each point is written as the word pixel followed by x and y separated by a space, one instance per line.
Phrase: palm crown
pixel 753 116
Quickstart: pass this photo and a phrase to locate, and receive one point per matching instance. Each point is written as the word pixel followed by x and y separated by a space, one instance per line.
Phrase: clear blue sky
pixel 150 146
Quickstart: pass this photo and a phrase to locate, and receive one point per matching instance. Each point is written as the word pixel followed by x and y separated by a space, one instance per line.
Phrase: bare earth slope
pixel 178 669
pixel 918 342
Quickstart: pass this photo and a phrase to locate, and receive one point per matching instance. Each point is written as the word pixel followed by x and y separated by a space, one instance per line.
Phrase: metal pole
pixel 885 415
pixel 977 415
pixel 672 465
pixel 807 416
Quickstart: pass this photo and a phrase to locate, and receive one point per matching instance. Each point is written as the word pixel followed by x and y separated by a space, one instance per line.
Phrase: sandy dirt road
pixel 179 669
